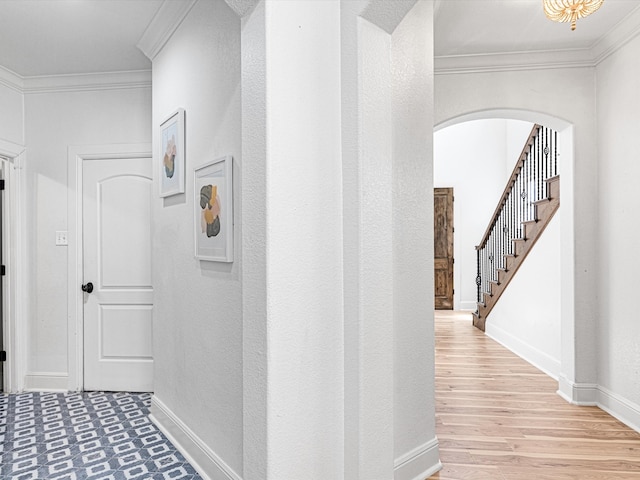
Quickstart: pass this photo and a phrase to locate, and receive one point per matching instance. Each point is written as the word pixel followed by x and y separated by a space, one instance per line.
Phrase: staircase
pixel 528 203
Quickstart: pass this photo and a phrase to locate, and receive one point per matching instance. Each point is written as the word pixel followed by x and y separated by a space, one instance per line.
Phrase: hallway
pixel 499 418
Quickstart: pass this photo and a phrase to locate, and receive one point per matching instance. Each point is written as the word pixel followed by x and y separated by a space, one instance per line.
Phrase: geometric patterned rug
pixel 88 435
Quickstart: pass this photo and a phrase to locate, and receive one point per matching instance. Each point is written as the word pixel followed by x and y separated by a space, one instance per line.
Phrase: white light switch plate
pixel 61 238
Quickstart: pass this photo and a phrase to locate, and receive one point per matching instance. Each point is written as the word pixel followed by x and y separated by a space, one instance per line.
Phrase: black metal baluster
pixel 520 199
pixel 501 236
pixel 529 182
pixel 491 255
pixel 478 276
pixel 512 216
pixel 545 160
pixel 555 154
pixel 496 260
pixel 537 173
pixel 514 212
pixel 485 268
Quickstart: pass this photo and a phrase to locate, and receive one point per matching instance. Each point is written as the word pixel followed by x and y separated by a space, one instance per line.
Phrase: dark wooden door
pixel 443 247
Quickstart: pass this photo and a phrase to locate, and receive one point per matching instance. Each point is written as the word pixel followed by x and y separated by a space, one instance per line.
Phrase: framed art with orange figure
pixel 172 150
pixel 213 206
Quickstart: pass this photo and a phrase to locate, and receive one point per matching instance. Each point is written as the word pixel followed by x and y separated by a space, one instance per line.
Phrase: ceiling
pixel 471 27
pixel 57 37
pixel 54 37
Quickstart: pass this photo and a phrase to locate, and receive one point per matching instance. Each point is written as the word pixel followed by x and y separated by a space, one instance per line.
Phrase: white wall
pixel 304 405
pixel 526 319
pixel 12 118
pixel 53 122
pixel 414 441
pixel 475 158
pixel 618 104
pixel 198 304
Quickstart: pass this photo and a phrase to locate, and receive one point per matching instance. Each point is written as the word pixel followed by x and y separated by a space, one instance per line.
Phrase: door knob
pixel 87 287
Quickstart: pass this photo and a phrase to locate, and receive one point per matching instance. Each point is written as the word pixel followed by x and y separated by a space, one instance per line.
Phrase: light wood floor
pixel 499 418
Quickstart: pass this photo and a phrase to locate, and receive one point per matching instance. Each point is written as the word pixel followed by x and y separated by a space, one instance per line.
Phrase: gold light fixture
pixel 570 10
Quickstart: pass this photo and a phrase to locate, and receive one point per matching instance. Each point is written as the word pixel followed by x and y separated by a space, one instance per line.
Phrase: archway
pixel 565 131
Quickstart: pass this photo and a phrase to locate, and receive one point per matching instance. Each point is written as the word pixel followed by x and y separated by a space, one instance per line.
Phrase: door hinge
pixel 1 184
pixel 3 270
pixel 3 356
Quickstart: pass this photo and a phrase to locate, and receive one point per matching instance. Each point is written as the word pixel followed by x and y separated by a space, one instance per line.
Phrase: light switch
pixel 61 238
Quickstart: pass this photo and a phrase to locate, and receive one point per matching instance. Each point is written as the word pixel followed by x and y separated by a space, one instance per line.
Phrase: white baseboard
pixel 419 463
pixel 208 464
pixel 468 306
pixel 46 382
pixel 590 394
pixel 583 394
pixel 621 408
pixel 535 357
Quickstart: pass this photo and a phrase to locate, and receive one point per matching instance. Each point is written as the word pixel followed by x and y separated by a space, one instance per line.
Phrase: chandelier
pixel 569 10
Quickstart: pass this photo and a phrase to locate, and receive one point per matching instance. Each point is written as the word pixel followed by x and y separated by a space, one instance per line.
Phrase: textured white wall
pixel 558 97
pixel 53 122
pixel 198 305
pixel 618 104
pixel 526 319
pixel 415 444
pixel 304 240
pixel 367 174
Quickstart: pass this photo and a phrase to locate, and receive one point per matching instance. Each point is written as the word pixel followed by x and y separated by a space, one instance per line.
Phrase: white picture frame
pixel 172 154
pixel 213 210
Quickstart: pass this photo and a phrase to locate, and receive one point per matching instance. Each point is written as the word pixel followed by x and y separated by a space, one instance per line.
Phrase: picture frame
pixel 172 154
pixel 213 210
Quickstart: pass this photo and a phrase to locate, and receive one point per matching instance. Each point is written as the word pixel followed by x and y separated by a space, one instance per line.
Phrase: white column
pixel 292 201
pixel 416 447
pixel 321 351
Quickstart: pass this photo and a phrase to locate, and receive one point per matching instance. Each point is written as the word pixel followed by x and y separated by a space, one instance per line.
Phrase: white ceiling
pixel 471 27
pixel 54 37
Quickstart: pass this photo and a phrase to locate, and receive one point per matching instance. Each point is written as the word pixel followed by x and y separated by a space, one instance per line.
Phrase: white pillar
pixel 329 288
pixel 416 446
pixel 292 201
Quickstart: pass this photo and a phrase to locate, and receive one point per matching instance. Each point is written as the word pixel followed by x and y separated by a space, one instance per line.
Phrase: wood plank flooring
pixel 499 418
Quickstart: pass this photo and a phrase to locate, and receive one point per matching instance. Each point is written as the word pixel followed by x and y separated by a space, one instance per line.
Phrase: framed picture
pixel 213 206
pixel 172 154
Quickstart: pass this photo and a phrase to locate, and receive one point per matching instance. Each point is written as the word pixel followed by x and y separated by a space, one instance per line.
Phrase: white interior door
pixel 116 229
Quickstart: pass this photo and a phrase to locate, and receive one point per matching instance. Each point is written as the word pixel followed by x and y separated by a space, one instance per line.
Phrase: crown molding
pixel 75 82
pixel 513 61
pixel 163 25
pixel 622 33
pixel 11 79
pixel 625 31
pixel 10 150
pixel 87 82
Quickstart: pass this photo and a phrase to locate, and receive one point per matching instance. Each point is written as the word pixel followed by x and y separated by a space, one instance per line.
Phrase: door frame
pixel 77 155
pixel 15 302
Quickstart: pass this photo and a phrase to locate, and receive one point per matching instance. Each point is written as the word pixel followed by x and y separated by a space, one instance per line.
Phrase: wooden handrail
pixel 510 183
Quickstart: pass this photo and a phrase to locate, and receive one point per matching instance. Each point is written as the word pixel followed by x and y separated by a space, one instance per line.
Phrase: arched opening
pixel 562 366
